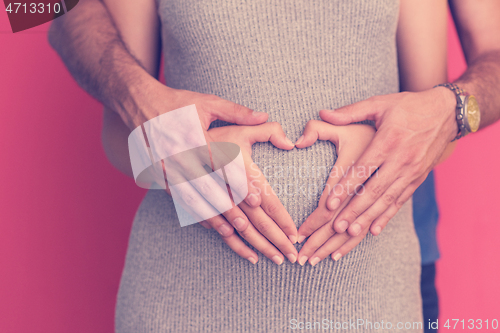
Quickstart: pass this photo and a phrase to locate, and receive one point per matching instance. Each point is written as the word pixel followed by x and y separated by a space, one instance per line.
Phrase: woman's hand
pixel 350 142
pixel 269 223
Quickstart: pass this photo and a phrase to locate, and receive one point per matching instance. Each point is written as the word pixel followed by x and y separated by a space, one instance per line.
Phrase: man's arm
pixel 90 46
pixel 114 55
pixel 426 118
pixel 478 26
pixel 421 40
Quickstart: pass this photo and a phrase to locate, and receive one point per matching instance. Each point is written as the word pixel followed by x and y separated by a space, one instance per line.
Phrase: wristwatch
pixel 467 111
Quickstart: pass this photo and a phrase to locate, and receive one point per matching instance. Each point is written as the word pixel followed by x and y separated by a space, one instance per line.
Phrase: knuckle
pixel 210 98
pixel 263 226
pixel 388 198
pixel 237 109
pixel 317 123
pixel 377 191
pixel 275 128
pixel 204 188
pixel 411 157
pixel 393 140
pixel 354 212
pixel 271 208
pixel 414 173
pixel 287 230
pixel 419 170
pixel 245 233
pixel 311 124
pixel 375 98
pixel 188 199
pixel 399 203
pixel 367 220
pixel 274 125
pixel 326 215
pixel 307 229
pixel 364 232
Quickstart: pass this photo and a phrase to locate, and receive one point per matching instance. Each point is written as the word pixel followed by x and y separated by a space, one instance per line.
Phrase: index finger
pixel 350 183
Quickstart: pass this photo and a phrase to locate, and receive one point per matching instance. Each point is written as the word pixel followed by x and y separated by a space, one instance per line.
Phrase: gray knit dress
pixel 289 59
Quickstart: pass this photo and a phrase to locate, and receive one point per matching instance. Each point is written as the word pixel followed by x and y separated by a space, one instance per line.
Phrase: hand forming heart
pixel 350 140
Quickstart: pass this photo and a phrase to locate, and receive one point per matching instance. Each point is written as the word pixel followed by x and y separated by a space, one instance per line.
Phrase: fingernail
pixel 302 260
pixel 337 257
pixel 239 223
pixel 257 113
pixel 289 142
pixel 291 257
pixel 252 260
pixel 277 260
pixel 343 225
pixel 293 239
pixel 299 140
pixel 253 200
pixel 356 229
pixel 301 239
pixel 224 230
pixel 334 204
pixel 377 230
pixel 314 261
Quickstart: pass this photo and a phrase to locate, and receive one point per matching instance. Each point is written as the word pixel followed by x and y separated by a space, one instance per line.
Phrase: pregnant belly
pixel 298 176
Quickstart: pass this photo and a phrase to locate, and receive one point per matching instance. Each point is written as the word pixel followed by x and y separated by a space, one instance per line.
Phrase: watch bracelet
pixel 459 116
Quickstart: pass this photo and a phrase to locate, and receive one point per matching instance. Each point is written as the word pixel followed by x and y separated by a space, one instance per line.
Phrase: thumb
pixel 237 114
pixel 318 130
pixel 364 110
pixel 270 132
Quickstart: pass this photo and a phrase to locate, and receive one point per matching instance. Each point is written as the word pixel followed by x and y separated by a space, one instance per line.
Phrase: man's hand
pixel 413 130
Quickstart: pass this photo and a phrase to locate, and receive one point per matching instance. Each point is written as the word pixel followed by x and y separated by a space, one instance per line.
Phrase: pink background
pixel 65 212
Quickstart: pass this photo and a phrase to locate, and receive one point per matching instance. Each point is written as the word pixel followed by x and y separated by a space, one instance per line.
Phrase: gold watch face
pixel 473 115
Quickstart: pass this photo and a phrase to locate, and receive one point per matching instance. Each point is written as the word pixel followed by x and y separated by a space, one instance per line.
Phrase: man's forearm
pixel 91 47
pixel 482 79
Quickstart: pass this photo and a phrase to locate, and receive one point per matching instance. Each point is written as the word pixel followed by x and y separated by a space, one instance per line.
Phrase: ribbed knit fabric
pixel 289 59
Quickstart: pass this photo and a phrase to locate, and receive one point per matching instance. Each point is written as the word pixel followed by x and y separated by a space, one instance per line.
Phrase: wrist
pixel 449 108
pixel 137 96
pixel 468 115
pixel 142 94
pixel 127 84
